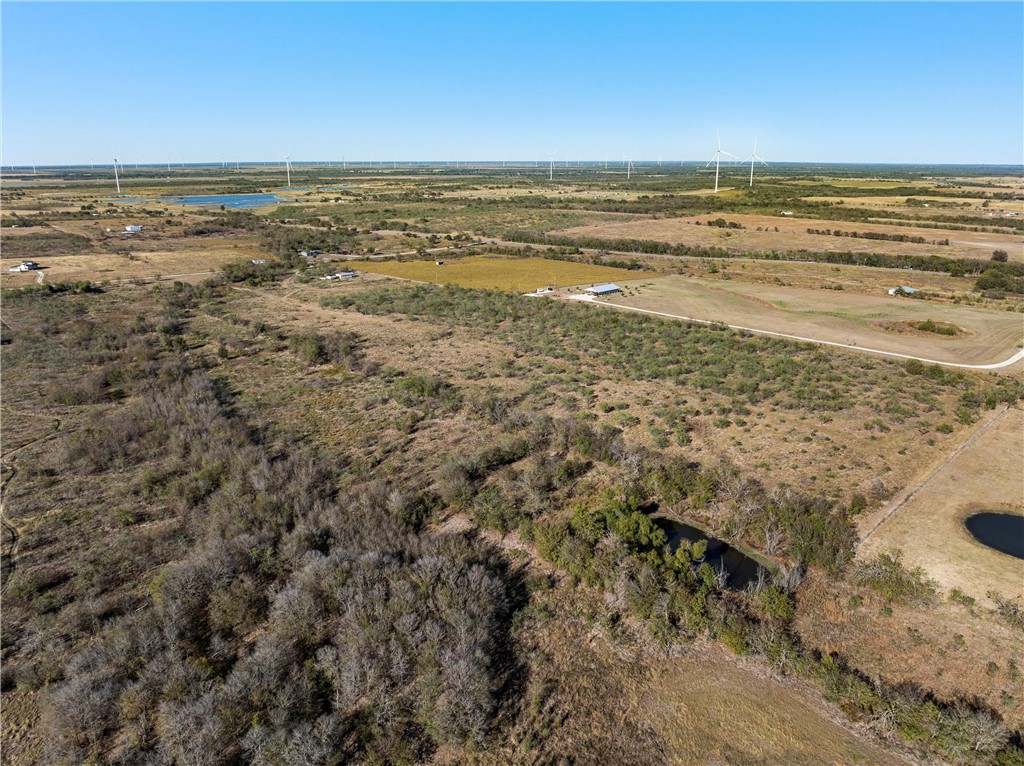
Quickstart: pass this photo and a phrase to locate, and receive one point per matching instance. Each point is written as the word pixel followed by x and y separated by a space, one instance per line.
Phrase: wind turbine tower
pixel 116 179
pixel 753 156
pixel 717 158
pixel 288 168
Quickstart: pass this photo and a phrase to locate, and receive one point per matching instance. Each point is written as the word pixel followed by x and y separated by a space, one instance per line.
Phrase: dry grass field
pixel 985 475
pixel 495 272
pixel 875 322
pixel 590 680
pixel 792 235
pixel 204 258
pixel 835 455
pixel 711 708
pixel 943 645
pixel 938 204
pixel 852 279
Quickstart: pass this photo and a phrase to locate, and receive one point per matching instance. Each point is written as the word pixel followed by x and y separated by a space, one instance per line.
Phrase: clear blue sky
pixel 929 82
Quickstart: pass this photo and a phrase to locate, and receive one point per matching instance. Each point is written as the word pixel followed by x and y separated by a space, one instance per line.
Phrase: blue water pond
pixel 227 200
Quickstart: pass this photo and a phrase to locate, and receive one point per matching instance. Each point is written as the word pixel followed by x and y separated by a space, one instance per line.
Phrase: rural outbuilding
pixel 607 289
pixel 132 228
pixel 902 290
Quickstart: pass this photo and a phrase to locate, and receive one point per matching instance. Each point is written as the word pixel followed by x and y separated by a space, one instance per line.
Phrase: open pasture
pixel 852 279
pixel 495 272
pixel 929 528
pixel 855 183
pixel 876 322
pixel 201 258
pixel 792 234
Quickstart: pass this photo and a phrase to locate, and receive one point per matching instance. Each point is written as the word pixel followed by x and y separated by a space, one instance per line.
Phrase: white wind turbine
pixel 551 166
pixel 288 167
pixel 116 179
pixel 753 156
pixel 628 159
pixel 717 156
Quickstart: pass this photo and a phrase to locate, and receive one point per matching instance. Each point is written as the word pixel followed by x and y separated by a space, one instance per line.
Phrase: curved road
pixel 994 366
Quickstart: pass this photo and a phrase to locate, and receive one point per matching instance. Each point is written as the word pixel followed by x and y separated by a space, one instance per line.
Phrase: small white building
pixel 598 290
pixel 902 290
pixel 132 228
pixel 341 275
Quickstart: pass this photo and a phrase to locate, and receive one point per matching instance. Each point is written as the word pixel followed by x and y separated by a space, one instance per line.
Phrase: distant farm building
pixel 341 275
pixel 132 228
pixel 598 290
pixel 902 290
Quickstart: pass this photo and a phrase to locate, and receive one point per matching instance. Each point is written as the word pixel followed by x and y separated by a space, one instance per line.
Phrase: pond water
pixel 1003 532
pixel 227 200
pixel 742 569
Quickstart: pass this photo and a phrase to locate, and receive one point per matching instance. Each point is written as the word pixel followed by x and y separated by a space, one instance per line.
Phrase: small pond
pixel 227 200
pixel 742 569
pixel 1003 532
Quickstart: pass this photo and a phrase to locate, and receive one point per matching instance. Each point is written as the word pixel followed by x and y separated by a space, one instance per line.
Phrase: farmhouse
pixel 607 289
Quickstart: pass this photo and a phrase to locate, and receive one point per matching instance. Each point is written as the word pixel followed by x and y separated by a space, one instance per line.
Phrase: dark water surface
pixel 742 568
pixel 1003 532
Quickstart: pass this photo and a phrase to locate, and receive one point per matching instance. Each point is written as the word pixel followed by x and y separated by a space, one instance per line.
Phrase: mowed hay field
pixel 879 322
pixel 929 529
pixel 792 235
pixel 495 272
